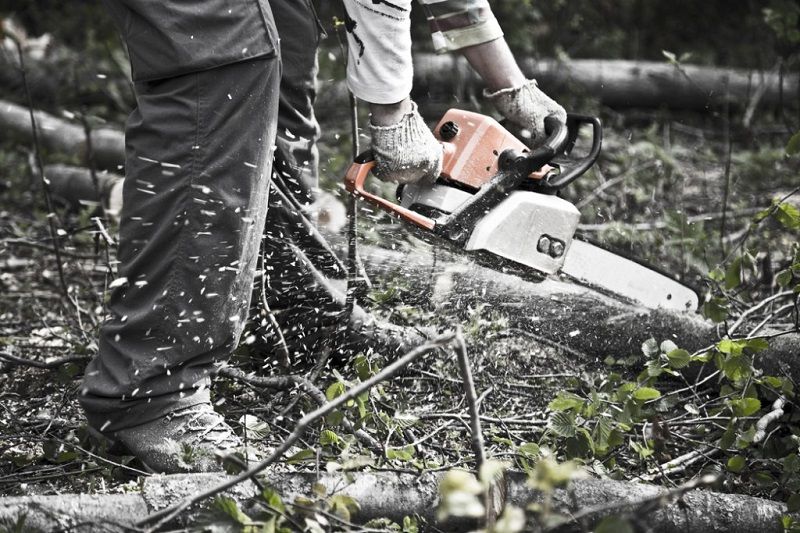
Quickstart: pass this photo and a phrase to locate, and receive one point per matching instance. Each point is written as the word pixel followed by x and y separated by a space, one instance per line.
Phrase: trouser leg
pixel 304 283
pixel 198 162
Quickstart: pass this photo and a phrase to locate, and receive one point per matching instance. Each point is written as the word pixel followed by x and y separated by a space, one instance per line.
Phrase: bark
pixel 615 83
pixel 108 144
pixel 75 186
pixel 589 324
pixel 392 495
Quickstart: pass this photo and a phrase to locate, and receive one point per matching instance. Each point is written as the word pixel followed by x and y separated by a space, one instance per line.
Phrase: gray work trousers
pixel 199 150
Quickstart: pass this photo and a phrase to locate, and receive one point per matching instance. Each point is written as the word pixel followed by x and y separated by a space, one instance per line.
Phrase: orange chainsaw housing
pixel 470 159
pixel 471 156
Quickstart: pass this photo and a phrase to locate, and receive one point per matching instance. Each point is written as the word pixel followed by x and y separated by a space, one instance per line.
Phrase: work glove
pixel 527 106
pixel 406 152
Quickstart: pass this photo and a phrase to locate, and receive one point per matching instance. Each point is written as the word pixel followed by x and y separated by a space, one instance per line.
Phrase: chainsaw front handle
pixel 572 169
pixel 354 182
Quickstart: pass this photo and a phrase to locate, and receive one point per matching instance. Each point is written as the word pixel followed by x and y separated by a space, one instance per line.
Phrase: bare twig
pixel 282 346
pixel 472 399
pixel 43 364
pixel 679 464
pixel 40 164
pixel 769 418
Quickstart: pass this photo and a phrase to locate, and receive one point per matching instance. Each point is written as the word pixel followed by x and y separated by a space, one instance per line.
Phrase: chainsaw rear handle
pixel 354 182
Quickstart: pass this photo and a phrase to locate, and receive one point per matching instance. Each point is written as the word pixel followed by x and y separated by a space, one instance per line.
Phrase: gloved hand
pixel 407 151
pixel 527 106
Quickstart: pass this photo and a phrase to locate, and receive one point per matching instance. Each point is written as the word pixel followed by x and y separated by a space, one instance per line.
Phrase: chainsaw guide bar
pixel 497 198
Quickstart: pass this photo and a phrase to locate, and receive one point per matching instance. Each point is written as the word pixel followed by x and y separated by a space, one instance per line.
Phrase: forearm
pixel 388 114
pixel 495 64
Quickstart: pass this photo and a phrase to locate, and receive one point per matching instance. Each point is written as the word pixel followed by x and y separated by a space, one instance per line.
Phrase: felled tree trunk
pixel 108 144
pixel 392 495
pixel 589 324
pixel 621 83
pixel 75 186
pixel 614 83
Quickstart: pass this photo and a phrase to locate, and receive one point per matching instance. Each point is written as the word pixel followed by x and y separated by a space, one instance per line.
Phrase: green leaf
pixel 717 273
pixel 549 474
pixel 736 463
pixel 758 344
pixel 668 346
pixel 301 456
pixel 793 146
pixel 784 278
pixel 650 347
pixel 602 434
pixel 343 506
pixel 643 450
pixel 613 524
pixel 727 439
pixel 678 358
pixel 791 464
pixel 256 428
pixel 716 309
pixel 273 500
pixel 788 215
pixel 363 368
pixel 745 406
pixel 729 346
pixel 329 438
pixel 643 394
pixel 562 424
pixel 334 390
pixel 761 215
pixel 404 454
pixel 529 449
pixel 566 401
pixel 793 503
pixel 228 507
pixel 736 367
pixel 733 274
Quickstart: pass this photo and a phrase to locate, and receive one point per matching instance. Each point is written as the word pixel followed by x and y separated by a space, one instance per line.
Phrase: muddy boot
pixel 190 440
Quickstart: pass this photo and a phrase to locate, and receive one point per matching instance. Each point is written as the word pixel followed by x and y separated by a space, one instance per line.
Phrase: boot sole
pixel 115 447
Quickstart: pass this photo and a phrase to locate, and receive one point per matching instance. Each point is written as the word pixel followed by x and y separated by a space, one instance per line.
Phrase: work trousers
pixel 199 156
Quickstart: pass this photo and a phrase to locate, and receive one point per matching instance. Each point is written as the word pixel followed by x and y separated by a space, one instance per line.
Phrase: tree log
pixel 75 186
pixel 108 144
pixel 615 83
pixel 392 495
pixel 579 318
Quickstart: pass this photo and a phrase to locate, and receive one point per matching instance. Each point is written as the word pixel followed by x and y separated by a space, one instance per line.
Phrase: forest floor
pixel 657 192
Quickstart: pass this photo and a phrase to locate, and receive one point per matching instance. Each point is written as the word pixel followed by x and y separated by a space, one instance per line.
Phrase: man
pixel 218 84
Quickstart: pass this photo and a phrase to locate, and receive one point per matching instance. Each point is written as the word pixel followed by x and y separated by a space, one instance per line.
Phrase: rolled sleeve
pixel 457 24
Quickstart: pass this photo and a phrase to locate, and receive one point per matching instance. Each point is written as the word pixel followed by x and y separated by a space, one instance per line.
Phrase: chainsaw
pixel 496 196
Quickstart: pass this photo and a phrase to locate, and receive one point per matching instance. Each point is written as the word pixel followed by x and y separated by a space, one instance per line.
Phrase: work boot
pixel 188 440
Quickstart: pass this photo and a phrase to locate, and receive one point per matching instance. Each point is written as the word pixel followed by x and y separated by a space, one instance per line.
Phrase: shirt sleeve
pixel 379 67
pixel 457 24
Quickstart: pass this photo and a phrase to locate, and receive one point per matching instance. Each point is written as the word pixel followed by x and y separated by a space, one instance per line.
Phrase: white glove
pixel 406 152
pixel 527 106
